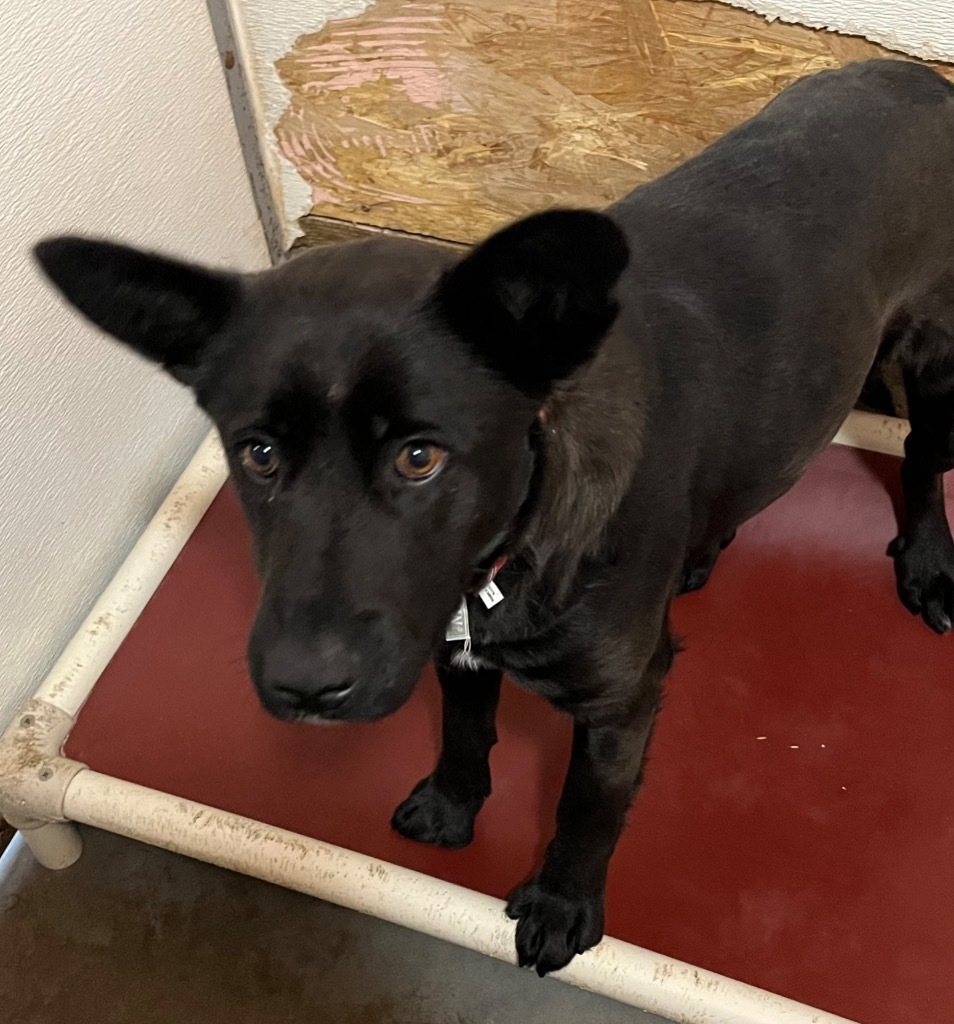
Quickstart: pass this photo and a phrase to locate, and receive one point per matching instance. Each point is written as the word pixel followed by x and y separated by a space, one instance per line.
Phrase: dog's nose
pixel 313 702
pixel 312 678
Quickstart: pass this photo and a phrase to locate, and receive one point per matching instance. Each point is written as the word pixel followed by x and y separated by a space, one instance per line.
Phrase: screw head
pixel 46 773
pixel 27 720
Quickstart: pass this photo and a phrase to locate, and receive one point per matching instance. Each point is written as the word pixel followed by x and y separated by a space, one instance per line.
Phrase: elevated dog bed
pixel 793 845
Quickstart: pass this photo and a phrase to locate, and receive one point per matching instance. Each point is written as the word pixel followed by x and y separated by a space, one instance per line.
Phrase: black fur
pixel 166 310
pixel 615 394
pixel 529 305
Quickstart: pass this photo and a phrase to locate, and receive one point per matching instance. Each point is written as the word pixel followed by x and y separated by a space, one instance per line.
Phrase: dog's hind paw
pixel 430 816
pixel 925 576
pixel 694 578
pixel 553 928
pixel 695 574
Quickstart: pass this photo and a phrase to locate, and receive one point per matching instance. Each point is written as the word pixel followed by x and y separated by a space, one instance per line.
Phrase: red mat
pixel 796 830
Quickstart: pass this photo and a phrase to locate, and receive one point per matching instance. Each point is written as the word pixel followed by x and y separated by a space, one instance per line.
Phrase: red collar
pixel 498 564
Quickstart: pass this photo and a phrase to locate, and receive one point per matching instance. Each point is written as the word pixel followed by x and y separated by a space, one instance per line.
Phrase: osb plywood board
pixel 451 117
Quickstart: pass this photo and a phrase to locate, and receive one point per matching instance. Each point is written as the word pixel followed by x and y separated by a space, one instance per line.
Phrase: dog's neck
pixel 592 431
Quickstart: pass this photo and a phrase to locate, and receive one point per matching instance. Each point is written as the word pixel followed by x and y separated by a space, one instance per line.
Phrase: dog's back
pixel 773 264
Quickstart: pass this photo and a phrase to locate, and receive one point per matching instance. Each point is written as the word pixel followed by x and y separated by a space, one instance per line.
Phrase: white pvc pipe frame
pixel 617 969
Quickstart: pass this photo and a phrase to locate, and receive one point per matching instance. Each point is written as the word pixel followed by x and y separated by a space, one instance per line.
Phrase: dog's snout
pixel 313 677
pixel 347 669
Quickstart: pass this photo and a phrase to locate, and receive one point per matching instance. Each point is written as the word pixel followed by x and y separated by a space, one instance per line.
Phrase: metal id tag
pixel 491 594
pixel 459 626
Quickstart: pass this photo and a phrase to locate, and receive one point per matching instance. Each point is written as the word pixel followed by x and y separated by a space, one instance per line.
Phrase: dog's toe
pixel 938 603
pixel 430 816
pixel 553 928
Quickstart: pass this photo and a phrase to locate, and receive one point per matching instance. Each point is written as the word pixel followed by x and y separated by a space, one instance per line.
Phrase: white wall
pixel 114 121
pixel 923 28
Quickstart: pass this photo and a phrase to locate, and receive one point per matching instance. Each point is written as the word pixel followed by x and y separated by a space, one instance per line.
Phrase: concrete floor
pixel 134 935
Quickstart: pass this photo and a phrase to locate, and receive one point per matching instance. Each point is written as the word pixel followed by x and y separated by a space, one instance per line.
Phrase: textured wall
pixel 115 122
pixel 924 28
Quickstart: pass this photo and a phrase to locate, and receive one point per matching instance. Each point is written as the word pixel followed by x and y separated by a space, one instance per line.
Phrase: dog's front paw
pixel 553 928
pixel 430 816
pixel 925 573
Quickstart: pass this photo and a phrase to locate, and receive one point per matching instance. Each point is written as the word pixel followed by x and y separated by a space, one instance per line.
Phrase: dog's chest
pixel 519 632
pixel 459 635
pixel 468 661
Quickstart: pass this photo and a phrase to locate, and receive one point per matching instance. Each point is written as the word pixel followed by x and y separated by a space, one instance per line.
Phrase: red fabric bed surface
pixel 796 830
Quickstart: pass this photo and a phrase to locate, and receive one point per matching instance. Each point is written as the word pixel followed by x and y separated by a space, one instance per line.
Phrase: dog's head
pixel 376 401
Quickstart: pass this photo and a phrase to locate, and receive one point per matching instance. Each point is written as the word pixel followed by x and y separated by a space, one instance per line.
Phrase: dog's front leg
pixel 559 912
pixel 441 808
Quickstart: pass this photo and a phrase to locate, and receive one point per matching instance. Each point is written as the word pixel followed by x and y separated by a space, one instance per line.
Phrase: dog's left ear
pixel 166 310
pixel 536 299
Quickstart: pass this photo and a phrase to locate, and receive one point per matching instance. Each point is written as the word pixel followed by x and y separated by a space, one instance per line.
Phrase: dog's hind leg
pixel 923 552
pixel 442 808
pixel 699 566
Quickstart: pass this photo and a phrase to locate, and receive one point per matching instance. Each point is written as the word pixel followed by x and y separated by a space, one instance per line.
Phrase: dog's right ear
pixel 166 310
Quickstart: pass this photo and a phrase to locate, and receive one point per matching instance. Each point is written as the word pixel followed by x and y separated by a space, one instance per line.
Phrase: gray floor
pixel 134 935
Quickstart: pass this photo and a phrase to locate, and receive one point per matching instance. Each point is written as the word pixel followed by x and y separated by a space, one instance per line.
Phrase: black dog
pixel 586 406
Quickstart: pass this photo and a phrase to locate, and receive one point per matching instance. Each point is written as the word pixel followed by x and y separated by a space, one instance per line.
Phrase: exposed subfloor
pixel 449 119
pixel 135 935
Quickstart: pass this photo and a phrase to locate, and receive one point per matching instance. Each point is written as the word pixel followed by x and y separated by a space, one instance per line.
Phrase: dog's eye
pixel 420 460
pixel 260 459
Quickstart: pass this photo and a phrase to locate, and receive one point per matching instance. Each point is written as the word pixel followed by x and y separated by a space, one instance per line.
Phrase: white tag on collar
pixel 459 626
pixel 490 594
